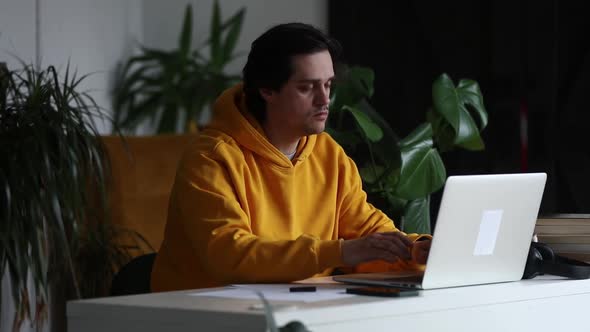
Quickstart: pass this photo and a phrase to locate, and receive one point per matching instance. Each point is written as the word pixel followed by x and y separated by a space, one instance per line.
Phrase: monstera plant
pixel 399 175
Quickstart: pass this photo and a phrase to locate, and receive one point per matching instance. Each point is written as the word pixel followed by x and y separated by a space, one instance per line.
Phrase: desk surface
pixel 516 306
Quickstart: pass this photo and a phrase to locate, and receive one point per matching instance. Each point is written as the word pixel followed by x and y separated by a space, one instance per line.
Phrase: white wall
pixel 96 35
pixel 92 35
pixel 17 31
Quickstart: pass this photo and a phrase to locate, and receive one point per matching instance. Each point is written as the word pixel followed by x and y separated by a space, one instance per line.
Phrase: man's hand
pixel 420 250
pixel 389 246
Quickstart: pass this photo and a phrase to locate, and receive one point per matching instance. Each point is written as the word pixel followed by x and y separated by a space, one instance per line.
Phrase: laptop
pixel 483 233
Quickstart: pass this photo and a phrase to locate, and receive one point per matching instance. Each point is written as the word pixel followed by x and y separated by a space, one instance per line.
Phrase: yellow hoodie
pixel 242 212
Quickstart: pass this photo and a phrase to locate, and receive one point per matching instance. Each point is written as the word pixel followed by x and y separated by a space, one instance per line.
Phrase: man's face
pixel 300 107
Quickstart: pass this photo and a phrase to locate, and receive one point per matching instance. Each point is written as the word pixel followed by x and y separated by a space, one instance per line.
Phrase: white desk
pixel 541 304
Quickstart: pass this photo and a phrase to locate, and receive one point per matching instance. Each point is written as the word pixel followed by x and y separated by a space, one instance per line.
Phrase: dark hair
pixel 269 62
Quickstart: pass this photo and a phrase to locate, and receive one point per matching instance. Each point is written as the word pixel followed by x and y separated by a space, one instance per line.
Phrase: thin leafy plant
pixel 52 178
pixel 170 89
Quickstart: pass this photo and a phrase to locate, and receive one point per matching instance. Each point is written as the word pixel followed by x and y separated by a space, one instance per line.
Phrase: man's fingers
pixel 388 257
pixel 420 251
pixel 404 238
pixel 402 249
pixel 387 246
pixel 398 235
pixel 392 245
pixel 423 245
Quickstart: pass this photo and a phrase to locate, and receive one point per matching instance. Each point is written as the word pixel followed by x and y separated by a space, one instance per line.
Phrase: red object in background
pixel 524 136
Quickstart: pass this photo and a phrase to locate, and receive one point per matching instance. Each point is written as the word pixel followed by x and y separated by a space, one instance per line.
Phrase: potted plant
pixel 168 90
pixel 172 88
pixel 52 193
pixel 400 174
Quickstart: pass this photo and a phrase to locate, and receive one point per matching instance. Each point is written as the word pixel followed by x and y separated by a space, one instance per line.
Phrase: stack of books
pixel 567 234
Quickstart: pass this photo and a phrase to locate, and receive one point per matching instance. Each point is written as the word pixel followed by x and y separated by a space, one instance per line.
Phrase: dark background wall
pixel 529 57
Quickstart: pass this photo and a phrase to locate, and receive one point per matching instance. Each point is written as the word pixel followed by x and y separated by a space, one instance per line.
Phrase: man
pixel 263 195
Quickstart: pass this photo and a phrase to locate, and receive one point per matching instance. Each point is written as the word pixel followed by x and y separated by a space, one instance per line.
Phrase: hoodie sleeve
pixel 359 218
pixel 221 235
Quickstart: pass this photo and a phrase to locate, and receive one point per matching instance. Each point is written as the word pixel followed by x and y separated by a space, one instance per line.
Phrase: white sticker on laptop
pixel 488 232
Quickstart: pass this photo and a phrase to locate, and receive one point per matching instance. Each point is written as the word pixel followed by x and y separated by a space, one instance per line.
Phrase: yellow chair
pixel 143 170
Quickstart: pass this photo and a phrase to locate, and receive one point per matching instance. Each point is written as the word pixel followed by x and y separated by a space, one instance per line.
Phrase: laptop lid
pixel 483 232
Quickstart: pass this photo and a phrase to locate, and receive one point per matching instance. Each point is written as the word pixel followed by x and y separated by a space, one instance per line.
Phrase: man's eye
pixel 305 88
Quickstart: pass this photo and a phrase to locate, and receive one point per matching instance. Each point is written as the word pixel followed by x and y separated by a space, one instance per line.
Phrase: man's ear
pixel 266 93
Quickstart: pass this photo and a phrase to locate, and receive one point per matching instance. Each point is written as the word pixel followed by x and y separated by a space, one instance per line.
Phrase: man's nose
pixel 323 96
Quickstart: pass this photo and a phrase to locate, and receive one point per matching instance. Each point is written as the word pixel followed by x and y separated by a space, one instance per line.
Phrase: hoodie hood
pixel 231 117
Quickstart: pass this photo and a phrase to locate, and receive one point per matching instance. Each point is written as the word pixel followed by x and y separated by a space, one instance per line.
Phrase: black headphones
pixel 542 260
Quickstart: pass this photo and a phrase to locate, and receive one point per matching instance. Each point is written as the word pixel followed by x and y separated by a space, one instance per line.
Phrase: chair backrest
pixel 134 277
pixel 143 169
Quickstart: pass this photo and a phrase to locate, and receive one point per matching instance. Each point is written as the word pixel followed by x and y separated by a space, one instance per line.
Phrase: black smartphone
pixel 382 291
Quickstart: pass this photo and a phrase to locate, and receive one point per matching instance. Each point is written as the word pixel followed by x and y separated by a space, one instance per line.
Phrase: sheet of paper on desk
pixel 278 292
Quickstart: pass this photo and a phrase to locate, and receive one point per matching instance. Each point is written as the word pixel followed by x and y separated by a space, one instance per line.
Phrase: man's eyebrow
pixel 311 80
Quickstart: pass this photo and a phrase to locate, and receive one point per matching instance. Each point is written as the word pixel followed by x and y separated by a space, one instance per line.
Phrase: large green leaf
pixel 355 85
pixel 451 102
pixel 369 128
pixel 443 133
pixel 371 173
pixel 417 216
pixel 422 170
pixel 395 208
pixel 468 135
pixel 471 95
pixel 347 139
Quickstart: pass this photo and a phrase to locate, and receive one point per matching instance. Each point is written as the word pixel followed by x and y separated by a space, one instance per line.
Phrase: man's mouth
pixel 321 114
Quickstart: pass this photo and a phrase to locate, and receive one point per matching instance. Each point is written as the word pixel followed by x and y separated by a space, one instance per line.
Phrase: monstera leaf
pixel 422 169
pixel 368 127
pixel 451 117
pixel 355 85
pixel 416 217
